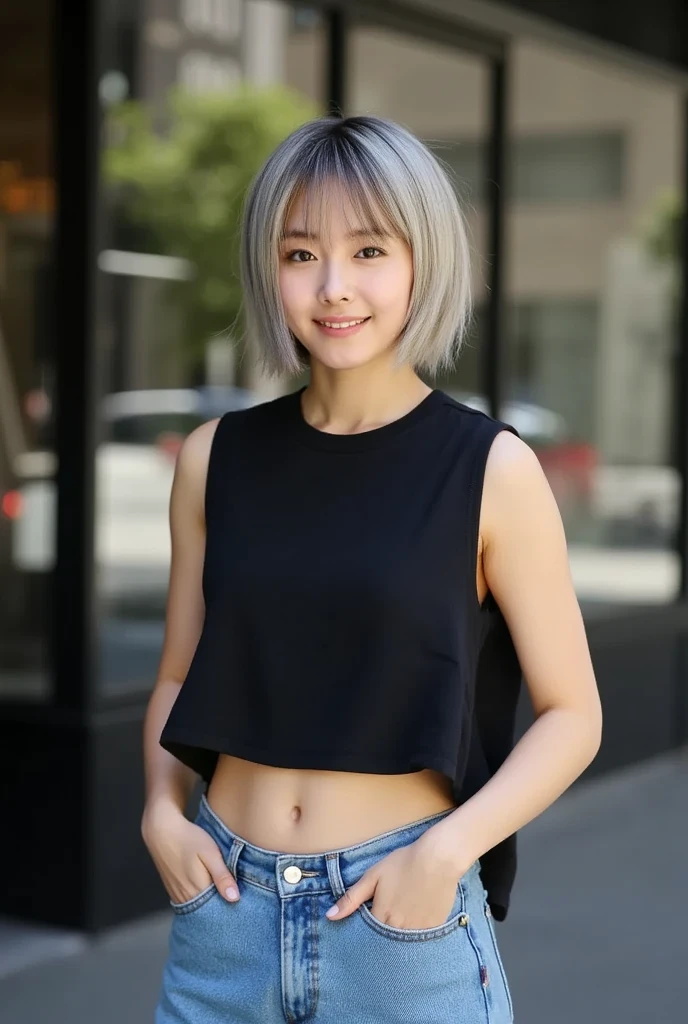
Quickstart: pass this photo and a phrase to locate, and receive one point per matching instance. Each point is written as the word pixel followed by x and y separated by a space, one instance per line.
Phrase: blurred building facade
pixel 566 138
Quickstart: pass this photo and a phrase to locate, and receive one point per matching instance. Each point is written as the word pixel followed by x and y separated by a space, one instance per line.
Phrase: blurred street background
pixel 129 131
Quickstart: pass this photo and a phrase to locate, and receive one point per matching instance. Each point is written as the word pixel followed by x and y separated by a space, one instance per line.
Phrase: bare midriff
pixel 296 810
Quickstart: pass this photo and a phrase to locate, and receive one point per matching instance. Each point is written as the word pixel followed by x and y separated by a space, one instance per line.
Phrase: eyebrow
pixel 301 233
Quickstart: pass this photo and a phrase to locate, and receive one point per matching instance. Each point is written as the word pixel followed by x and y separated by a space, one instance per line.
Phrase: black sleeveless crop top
pixel 342 626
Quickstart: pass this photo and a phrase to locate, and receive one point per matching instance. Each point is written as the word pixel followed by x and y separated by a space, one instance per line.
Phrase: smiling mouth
pixel 343 324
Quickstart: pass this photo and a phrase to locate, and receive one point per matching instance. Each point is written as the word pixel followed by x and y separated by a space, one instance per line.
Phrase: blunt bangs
pixel 396 186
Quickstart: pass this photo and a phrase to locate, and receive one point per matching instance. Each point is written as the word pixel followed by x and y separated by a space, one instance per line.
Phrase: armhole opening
pixel 206 491
pixel 476 499
pixel 211 453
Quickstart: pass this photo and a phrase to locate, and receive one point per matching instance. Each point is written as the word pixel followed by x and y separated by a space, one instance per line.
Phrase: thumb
pixel 224 880
pixel 361 890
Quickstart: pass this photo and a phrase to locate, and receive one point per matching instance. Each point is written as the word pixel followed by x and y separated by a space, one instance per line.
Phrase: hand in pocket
pixel 188 860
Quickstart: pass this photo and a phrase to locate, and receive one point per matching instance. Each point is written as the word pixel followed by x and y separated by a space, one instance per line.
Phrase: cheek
pixel 390 291
pixel 290 292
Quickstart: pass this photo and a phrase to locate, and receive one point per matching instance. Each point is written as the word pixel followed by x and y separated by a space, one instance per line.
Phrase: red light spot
pixel 170 443
pixel 12 504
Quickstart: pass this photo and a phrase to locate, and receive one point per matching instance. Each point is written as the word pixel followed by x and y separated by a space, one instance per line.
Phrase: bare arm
pixel 186 856
pixel 525 561
pixel 167 779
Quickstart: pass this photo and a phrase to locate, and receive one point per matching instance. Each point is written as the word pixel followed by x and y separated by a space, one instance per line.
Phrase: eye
pixel 298 252
pixel 372 248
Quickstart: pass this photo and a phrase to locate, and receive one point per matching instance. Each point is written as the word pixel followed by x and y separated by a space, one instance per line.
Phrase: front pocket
pixel 188 906
pixel 456 914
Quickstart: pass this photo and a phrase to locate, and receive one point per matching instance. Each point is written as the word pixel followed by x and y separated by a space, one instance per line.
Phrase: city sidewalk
pixel 597 933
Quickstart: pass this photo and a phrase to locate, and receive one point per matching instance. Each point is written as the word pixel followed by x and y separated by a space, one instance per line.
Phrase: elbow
pixel 593 734
pixel 584 730
pixel 594 748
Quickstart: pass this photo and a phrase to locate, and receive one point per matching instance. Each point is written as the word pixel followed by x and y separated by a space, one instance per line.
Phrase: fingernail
pixel 332 912
pixel 232 893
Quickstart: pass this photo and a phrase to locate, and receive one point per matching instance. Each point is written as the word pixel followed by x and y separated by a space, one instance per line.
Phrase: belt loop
pixel 335 876
pixel 236 848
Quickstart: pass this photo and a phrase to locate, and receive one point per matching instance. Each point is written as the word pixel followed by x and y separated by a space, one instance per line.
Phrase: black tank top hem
pixel 204 750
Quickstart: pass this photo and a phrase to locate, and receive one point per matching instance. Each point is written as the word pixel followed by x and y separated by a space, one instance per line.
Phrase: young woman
pixel 361 568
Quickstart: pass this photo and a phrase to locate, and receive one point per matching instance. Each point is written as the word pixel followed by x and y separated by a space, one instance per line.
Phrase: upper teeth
pixel 349 323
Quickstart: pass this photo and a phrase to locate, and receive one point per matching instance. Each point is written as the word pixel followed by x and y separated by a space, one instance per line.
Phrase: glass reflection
pixel 27 460
pixel 188 123
pixel 592 312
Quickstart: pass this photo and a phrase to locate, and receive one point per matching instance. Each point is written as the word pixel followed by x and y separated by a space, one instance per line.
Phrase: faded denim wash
pixel 273 957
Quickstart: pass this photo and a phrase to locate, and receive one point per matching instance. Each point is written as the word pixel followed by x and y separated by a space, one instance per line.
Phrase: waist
pixel 266 866
pixel 306 810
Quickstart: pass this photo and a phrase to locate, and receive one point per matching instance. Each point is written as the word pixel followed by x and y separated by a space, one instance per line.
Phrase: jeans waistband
pixel 331 871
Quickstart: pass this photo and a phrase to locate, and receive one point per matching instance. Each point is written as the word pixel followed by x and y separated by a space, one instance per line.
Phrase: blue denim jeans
pixel 273 956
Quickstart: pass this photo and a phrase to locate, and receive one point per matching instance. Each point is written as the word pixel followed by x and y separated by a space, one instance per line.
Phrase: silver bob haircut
pixel 394 183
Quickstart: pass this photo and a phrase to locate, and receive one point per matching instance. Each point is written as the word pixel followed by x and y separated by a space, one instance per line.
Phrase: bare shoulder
pixel 515 487
pixel 195 452
pixel 196 446
pixel 510 454
pixel 192 461
pixel 526 568
pixel 185 604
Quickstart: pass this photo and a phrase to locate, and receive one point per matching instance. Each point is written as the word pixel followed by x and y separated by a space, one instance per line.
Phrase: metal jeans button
pixel 292 873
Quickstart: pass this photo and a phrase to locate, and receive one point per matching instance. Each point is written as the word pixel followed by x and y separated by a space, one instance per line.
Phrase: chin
pixel 343 362
pixel 343 358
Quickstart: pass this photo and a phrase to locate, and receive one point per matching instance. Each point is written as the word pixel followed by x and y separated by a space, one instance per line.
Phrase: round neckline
pixel 365 439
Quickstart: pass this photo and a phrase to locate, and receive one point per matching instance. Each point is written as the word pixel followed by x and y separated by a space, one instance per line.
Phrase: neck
pixel 349 402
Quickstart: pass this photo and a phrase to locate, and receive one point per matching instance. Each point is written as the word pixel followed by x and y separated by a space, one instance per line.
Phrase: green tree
pixel 661 234
pixel 184 184
pixel 663 230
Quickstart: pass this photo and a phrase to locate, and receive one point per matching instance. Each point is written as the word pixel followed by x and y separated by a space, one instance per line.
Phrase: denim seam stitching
pixel 472 938
pixel 259 885
pixel 283 979
pixel 498 957
pixel 197 901
pixel 414 934
pixel 313 965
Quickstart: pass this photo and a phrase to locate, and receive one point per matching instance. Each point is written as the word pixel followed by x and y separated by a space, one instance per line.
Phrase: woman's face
pixel 336 277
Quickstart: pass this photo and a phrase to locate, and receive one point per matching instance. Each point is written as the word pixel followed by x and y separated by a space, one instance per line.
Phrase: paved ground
pixel 610 948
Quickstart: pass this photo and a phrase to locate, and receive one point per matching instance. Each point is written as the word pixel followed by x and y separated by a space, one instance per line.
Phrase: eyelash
pixel 364 249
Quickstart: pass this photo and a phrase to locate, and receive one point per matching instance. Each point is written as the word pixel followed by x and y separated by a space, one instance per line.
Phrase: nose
pixel 333 288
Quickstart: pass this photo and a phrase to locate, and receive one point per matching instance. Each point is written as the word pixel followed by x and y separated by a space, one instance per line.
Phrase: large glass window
pixel 441 94
pixel 591 312
pixel 27 458
pixel 558 168
pixel 195 96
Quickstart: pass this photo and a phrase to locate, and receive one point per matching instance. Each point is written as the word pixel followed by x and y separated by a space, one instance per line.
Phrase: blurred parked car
pixel 570 466
pixel 141 432
pixel 628 506
pixel 159 416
